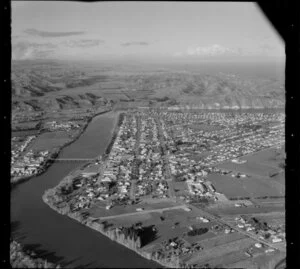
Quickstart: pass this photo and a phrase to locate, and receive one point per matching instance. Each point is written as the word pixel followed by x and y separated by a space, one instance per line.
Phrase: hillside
pixel 38 85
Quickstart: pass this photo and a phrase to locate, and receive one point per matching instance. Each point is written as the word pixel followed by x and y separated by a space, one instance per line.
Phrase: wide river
pixel 57 237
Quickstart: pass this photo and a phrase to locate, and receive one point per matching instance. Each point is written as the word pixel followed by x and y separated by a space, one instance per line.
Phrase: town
pixel 161 162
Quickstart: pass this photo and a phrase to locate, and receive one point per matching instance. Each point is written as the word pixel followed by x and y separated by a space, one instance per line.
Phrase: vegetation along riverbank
pixel 19 258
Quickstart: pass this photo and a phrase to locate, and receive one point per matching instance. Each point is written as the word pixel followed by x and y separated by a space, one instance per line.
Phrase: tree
pixel 138 242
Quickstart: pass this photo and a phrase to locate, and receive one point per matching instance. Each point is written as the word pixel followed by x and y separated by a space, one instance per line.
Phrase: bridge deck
pixel 72 160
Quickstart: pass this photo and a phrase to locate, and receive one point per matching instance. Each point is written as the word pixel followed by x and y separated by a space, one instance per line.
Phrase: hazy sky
pixel 162 30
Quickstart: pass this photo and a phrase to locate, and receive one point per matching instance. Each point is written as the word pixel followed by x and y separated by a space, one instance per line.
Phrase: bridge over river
pixel 76 159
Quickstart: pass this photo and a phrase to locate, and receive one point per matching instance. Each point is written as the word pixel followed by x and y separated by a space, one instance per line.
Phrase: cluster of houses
pixel 224 137
pixel 30 164
pixel 268 233
pixel 200 188
pixel 65 126
pixel 15 153
pixel 89 190
pixel 119 165
pixel 176 247
pixel 136 164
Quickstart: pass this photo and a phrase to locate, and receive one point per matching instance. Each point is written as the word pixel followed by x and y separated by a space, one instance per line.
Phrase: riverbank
pixel 110 233
pixel 48 162
pixel 19 258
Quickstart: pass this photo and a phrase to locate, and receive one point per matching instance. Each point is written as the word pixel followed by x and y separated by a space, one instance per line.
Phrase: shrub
pixel 197 231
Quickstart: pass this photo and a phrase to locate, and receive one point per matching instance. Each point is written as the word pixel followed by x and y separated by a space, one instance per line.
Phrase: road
pixel 141 212
pixel 135 168
pixel 168 174
pixel 72 160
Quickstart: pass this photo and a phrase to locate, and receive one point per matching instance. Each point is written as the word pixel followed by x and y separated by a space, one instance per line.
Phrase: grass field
pixel 235 256
pixel 262 261
pixel 199 238
pixel 231 187
pixel 180 188
pixel 251 168
pixel 98 210
pixel 247 210
pixel 221 239
pixel 267 157
pixel 247 263
pixel 24 133
pixel 272 218
pixel 270 201
pixel 246 187
pixel 221 250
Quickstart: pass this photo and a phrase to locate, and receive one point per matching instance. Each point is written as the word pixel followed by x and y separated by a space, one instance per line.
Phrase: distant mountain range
pixel 42 85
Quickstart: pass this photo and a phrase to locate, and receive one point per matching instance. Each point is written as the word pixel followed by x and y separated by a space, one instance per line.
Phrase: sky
pixel 184 31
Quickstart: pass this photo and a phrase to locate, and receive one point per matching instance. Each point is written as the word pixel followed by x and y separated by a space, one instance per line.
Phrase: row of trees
pixel 126 236
pixel 169 260
pixel 259 225
pixel 134 236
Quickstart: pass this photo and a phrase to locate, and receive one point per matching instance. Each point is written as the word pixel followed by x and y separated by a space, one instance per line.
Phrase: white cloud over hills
pixel 213 50
pixel 27 50
pixel 216 51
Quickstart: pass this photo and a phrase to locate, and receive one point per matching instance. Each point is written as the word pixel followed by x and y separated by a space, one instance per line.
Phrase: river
pixel 59 238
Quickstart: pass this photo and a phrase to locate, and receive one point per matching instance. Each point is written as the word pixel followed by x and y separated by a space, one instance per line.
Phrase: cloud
pixel 141 43
pixel 83 43
pixel 28 50
pixel 266 47
pixel 39 33
pixel 214 50
pixel 219 51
